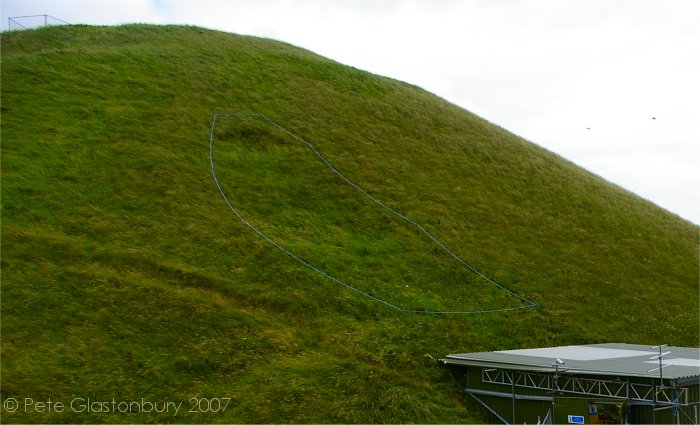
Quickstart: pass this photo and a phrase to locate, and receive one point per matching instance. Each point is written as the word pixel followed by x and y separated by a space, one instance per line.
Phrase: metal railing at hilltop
pixel 36 21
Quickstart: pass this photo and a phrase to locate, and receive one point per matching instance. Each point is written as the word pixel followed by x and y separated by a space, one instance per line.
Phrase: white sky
pixel 543 69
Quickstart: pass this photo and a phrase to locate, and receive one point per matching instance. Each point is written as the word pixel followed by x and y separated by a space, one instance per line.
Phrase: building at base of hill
pixel 585 384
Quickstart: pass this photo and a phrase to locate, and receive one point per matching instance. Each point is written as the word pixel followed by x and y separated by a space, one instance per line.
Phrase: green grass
pixel 125 275
pixel 323 220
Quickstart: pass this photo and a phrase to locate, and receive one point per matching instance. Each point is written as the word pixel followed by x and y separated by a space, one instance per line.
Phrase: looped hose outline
pixel 529 304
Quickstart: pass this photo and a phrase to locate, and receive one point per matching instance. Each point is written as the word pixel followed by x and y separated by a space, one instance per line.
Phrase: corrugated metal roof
pixel 595 359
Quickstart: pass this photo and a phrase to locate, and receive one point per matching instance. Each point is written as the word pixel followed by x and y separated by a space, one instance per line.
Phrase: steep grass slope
pixel 126 276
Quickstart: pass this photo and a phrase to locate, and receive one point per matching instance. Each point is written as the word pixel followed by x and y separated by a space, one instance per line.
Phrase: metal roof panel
pixel 604 359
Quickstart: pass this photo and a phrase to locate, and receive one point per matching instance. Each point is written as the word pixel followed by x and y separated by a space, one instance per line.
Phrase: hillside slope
pixel 125 275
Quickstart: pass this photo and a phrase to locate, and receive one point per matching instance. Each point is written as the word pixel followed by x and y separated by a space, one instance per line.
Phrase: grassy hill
pixel 125 275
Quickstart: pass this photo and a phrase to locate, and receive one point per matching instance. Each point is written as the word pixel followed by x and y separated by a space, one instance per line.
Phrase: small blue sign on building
pixel 574 419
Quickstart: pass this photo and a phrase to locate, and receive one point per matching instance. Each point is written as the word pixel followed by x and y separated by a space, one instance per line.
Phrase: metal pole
pixel 46 20
pixel 59 20
pixel 653 406
pixel 489 408
pixel 512 386
pixel 629 405
pixel 554 385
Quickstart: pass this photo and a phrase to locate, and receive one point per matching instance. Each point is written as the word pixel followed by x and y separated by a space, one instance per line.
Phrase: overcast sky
pixel 612 85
